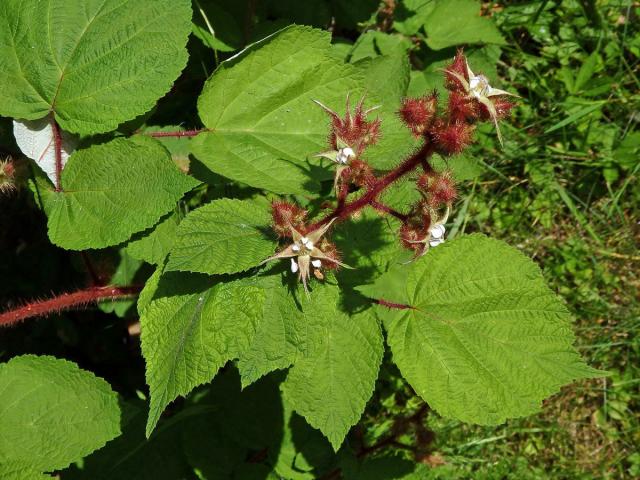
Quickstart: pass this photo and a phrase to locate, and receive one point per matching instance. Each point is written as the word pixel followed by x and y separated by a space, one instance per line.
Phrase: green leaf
pixel 94 63
pixel 112 191
pixel 332 383
pixel 224 236
pixel 304 452
pixel 153 245
pixel 124 275
pixel 188 336
pixel 456 22
pixel 18 471
pixel 576 115
pixel 258 106
pixel 133 456
pixel 281 332
pixel 216 23
pixel 369 244
pixel 483 339
pixel 386 82
pixel 53 413
pixel 590 66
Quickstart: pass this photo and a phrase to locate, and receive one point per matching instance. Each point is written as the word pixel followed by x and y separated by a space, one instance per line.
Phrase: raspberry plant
pixel 329 244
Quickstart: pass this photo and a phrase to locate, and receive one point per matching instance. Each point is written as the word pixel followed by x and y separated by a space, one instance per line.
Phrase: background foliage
pixel 563 189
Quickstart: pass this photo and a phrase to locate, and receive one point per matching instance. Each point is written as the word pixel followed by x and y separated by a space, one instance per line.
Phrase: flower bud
pixel 502 108
pixel 457 67
pixel 353 130
pixel 360 173
pixel 453 138
pixel 462 108
pixel 418 113
pixel 7 176
pixel 439 188
pixel 286 215
pixel 330 250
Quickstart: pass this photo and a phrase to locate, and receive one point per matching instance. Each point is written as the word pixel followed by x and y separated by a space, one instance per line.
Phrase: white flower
pixel 478 87
pixel 344 155
pixel 304 254
pixel 434 237
pixel 436 234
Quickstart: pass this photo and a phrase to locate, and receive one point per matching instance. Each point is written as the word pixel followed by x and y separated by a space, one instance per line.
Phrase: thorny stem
pixel 183 133
pixel 344 210
pixel 381 207
pixel 57 146
pixel 66 301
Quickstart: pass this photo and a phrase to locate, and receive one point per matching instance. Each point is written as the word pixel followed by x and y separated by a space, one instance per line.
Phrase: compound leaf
pixel 280 336
pixel 53 413
pixel 224 236
pixel 482 338
pixel 94 63
pixel 331 384
pixel 187 337
pixel 112 191
pixel 258 106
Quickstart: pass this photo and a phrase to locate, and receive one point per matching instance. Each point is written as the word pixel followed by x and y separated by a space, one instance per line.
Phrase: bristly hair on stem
pixel 66 301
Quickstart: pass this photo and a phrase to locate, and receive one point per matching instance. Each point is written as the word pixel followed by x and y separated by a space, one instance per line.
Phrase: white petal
pixel 436 242
pixel 295 247
pixel 35 140
pixel 437 231
pixel 344 154
pixel 316 263
pixel 294 266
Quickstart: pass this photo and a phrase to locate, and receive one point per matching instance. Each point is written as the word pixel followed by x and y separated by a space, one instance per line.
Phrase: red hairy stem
pixel 343 211
pixel 396 306
pixel 57 147
pixel 66 301
pixel 381 207
pixel 183 133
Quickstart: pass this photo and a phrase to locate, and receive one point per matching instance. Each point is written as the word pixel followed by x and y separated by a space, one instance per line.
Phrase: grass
pixel 565 191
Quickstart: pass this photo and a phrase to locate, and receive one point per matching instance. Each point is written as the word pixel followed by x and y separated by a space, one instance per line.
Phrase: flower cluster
pixel 446 130
pixel 308 251
pixel 348 138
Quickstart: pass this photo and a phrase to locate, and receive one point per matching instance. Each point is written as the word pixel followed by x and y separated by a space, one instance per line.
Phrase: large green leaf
pixel 189 335
pixel 132 455
pixel 224 236
pixel 19 471
pixel 331 384
pixel 52 413
pixel 94 63
pixel 259 107
pixel 386 80
pixel 112 191
pixel 482 338
pixel 281 332
pixel 456 22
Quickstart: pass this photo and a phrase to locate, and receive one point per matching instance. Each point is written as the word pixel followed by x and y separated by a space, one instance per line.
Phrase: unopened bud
pixel 418 113
pixel 7 176
pixel 453 138
pixel 439 188
pixel 286 215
